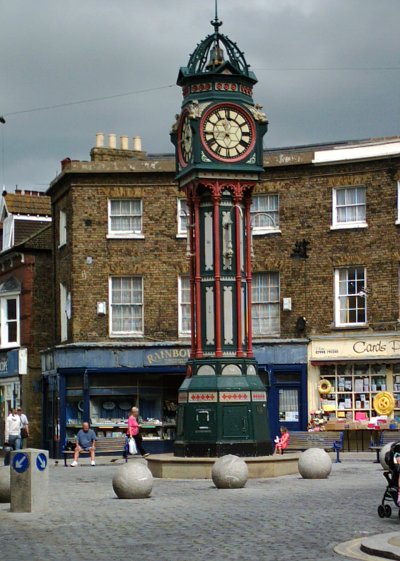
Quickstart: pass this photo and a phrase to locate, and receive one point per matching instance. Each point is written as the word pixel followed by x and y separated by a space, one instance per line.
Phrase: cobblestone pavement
pixel 283 519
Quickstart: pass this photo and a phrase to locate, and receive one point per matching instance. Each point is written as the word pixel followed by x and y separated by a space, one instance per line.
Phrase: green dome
pixel 214 55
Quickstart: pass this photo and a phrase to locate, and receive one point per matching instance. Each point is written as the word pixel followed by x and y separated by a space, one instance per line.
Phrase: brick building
pixel 325 285
pixel 25 304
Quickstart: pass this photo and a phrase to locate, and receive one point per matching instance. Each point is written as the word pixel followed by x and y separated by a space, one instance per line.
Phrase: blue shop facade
pixel 100 383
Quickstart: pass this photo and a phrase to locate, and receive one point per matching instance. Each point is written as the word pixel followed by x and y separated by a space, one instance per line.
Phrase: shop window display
pixel 347 390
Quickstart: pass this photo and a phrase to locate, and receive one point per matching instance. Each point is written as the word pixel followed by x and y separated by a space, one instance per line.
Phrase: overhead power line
pixel 328 68
pixel 81 101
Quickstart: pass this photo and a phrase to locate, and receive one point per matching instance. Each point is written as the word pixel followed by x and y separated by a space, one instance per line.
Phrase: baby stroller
pixel 392 477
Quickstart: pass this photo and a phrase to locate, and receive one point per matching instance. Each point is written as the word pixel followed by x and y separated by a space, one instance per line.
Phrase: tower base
pixel 247 449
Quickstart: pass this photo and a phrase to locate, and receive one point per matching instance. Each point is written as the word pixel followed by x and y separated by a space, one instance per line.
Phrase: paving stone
pixel 286 518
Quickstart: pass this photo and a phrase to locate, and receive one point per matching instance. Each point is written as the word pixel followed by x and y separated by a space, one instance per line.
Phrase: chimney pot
pixel 99 140
pixel 137 144
pixel 112 140
pixel 124 142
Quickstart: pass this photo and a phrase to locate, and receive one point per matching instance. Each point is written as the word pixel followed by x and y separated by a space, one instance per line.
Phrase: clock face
pixel 185 141
pixel 228 132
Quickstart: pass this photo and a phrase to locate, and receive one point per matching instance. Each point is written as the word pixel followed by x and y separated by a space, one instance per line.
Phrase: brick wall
pixel 305 192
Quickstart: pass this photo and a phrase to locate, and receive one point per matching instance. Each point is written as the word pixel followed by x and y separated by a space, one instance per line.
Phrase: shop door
pixel 287 400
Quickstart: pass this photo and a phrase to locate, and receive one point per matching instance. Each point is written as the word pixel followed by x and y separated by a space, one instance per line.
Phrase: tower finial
pixel 216 23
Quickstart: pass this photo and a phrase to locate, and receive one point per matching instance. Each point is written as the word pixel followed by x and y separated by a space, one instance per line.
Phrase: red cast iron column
pixel 247 203
pixel 217 270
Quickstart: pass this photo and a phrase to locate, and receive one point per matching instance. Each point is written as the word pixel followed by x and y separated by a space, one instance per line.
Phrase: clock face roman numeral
pixel 228 132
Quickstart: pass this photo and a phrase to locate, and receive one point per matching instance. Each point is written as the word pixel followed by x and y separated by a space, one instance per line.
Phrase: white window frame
pixel 63 312
pixel 181 304
pixel 360 296
pixel 398 202
pixel 268 303
pixel 136 234
pixel 5 343
pixel 112 306
pixel 181 218
pixel 268 214
pixel 8 232
pixel 62 226
pixel 339 225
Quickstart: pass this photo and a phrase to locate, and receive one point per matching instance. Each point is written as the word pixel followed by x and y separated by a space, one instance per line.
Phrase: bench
pixel 384 438
pixel 109 446
pixel 328 440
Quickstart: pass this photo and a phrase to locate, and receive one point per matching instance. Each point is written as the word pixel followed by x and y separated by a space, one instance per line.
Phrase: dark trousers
pixel 138 439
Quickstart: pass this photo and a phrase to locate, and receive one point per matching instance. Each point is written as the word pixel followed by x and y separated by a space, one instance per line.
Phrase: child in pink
pixel 282 442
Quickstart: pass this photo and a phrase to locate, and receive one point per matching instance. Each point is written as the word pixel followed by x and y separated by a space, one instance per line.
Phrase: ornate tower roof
pixel 216 55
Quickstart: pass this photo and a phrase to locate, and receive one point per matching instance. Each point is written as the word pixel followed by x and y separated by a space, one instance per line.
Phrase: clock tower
pixel 218 145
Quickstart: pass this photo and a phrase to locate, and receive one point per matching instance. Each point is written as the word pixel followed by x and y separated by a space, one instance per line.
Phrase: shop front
pixel 355 380
pixel 101 385
pixel 283 369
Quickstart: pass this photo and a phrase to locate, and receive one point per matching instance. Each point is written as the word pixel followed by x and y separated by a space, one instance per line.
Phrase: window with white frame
pixel 65 311
pixel 62 240
pixel 126 306
pixel 265 308
pixel 9 313
pixel 349 208
pixel 8 232
pixel 264 213
pixel 125 218
pixel 351 296
pixel 184 309
pixel 182 217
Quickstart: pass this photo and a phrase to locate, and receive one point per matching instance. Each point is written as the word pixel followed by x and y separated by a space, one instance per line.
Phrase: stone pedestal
pixel 29 480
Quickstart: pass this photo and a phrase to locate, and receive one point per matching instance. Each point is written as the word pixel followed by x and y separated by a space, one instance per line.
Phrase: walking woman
pixel 134 430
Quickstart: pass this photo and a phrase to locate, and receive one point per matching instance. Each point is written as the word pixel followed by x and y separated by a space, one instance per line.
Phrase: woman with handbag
pixel 134 432
pixel 24 427
pixel 13 430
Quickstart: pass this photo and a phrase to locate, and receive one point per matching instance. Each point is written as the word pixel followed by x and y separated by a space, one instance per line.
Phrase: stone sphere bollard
pixel 315 463
pixel 230 472
pixel 133 480
pixel 5 489
pixel 382 453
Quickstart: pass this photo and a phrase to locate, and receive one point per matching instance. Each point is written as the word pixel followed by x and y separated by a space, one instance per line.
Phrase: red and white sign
pixel 234 397
pixel 203 397
pixel 259 396
pixel 182 397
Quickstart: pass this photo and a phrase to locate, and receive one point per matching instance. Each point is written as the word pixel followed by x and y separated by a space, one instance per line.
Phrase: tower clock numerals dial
pixel 186 140
pixel 228 132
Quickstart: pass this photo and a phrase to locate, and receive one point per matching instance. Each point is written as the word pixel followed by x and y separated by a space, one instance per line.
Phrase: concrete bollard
pixel 29 480
pixel 4 484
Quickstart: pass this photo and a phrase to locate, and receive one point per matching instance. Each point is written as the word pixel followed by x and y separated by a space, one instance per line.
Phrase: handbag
pixel 24 432
pixel 132 446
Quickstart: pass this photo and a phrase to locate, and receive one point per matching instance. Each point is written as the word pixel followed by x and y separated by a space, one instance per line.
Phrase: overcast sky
pixel 328 70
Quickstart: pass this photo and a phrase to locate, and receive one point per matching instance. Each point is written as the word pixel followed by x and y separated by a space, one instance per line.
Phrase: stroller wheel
pixel 388 511
pixel 381 511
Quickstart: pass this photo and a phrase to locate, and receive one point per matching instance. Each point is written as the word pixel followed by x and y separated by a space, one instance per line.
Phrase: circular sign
pixel 384 403
pixel 20 462
pixel 124 405
pixel 108 405
pixel 41 462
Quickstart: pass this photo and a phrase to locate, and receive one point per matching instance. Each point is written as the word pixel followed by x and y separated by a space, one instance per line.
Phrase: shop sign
pixel 356 349
pixel 164 357
pixel 10 363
